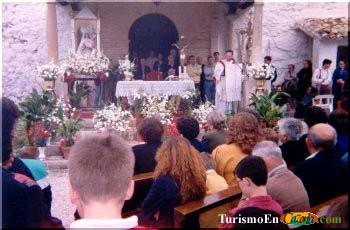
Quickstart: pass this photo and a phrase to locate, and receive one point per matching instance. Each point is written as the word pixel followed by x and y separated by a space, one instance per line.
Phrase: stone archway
pixel 152 32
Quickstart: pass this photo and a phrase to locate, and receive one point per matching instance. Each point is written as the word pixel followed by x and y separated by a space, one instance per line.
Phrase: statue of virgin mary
pixel 88 40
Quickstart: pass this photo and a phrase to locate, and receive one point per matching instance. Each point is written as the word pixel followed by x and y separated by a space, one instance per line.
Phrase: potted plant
pixel 33 109
pixel 40 138
pixel 82 89
pixel 67 130
pixel 66 125
pixel 265 104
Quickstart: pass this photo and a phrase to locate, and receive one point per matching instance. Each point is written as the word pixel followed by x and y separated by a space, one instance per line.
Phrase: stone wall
pixel 24 46
pixel 285 43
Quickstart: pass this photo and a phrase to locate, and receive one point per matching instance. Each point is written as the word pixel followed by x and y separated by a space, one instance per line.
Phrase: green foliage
pixel 81 91
pixel 67 129
pixel 265 105
pixel 34 108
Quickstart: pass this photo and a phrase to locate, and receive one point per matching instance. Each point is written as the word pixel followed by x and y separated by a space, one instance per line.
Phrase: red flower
pixel 102 76
pixel 68 78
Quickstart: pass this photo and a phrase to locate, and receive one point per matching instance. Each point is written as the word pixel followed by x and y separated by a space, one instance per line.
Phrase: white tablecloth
pixel 130 88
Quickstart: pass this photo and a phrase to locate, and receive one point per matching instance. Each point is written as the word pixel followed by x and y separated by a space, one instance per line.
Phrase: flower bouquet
pixel 49 73
pixel 260 71
pixel 126 67
pixel 202 112
pixel 85 65
pixel 40 134
pixel 155 106
pixel 113 117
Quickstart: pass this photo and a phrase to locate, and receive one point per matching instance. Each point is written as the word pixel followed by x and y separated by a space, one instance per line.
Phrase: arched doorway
pixel 152 32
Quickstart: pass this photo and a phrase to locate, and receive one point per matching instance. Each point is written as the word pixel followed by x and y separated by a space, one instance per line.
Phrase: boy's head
pixel 101 167
pixel 326 63
pixel 251 173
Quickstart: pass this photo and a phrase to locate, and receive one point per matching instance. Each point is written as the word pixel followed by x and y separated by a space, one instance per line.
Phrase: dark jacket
pixel 323 177
pixel 200 145
pixel 145 157
pixel 294 152
pixel 163 197
pixel 304 81
pixel 23 205
pixel 336 89
pixel 214 139
pixel 19 167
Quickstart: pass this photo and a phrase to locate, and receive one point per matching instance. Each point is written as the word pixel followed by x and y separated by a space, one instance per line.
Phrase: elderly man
pixel 292 196
pixel 322 172
pixel 290 131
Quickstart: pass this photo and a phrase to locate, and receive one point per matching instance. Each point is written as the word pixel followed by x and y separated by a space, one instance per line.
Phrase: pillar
pixel 51 32
pixel 52 46
pixel 257 46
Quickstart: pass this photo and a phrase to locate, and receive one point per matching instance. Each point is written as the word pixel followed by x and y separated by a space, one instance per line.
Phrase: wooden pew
pixel 187 215
pixel 315 209
pixel 143 183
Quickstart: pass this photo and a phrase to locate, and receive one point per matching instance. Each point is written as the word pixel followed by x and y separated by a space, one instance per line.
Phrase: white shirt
pixel 312 155
pixel 321 74
pixel 126 223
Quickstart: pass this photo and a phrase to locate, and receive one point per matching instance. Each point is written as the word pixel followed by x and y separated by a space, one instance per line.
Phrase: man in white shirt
pixel 149 62
pixel 101 166
pixel 322 78
pixel 228 76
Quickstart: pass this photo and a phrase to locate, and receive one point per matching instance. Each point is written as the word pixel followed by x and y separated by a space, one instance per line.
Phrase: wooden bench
pixel 315 209
pixel 187 215
pixel 143 183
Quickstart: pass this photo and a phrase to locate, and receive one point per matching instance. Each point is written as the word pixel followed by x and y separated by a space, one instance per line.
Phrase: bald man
pixel 321 173
pixel 292 196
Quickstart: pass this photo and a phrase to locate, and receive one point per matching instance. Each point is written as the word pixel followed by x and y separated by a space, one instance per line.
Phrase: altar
pixel 166 88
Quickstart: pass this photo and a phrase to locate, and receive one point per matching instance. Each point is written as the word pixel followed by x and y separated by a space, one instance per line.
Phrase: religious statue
pixel 181 46
pixel 88 40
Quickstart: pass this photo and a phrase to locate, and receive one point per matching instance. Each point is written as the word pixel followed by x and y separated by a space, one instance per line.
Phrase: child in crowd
pixel 101 167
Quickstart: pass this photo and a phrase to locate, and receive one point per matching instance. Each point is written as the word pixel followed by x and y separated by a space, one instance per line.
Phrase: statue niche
pixel 88 39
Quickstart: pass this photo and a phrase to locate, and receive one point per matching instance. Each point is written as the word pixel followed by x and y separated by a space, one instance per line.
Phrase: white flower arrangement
pixel 126 67
pixel 202 112
pixel 62 112
pixel 188 95
pixel 155 106
pixel 114 117
pixel 48 72
pixel 260 71
pixel 86 64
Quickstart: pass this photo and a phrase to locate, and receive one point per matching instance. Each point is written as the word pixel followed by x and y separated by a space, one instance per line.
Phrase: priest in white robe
pixel 228 76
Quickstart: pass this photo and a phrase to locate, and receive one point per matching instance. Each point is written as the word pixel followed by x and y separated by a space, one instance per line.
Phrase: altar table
pixel 166 88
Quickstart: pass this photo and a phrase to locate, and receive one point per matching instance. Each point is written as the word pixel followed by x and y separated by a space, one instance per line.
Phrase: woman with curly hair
pixel 243 134
pixel 151 132
pixel 179 178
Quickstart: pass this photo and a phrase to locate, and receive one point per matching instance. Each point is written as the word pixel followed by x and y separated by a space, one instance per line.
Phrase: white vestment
pixel 228 84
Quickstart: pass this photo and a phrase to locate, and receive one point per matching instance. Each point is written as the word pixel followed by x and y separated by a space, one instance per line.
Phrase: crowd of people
pixel 302 86
pixel 300 164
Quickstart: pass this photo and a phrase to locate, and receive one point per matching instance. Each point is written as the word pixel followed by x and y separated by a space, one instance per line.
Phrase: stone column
pixel 52 46
pixel 257 46
pixel 51 32
pixel 257 55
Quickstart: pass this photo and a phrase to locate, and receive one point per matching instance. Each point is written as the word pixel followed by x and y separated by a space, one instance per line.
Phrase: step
pixel 55 162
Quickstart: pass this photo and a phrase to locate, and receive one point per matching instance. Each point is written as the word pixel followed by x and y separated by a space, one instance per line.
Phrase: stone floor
pixel 61 208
